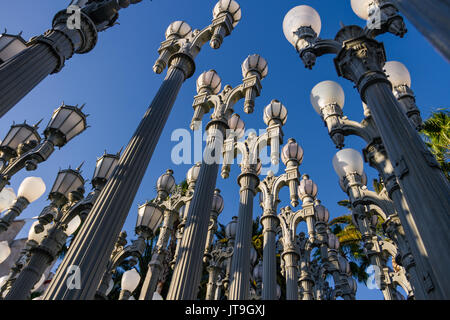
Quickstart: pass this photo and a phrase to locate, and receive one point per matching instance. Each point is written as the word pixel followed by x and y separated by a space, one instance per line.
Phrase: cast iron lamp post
pixel 120 253
pixel 348 164
pixel 188 267
pixel 34 239
pixel 69 186
pixel 111 208
pixel 22 146
pixel 47 53
pixel 328 98
pixel 31 189
pixel 360 59
pixel 171 206
pixel 275 117
pixel 269 188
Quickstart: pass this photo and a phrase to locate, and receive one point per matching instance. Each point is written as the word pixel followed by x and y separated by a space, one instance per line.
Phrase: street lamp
pixel 11 45
pixel 360 59
pixel 129 283
pixel 178 54
pixel 254 69
pixel 47 53
pixel 22 146
pixel 29 191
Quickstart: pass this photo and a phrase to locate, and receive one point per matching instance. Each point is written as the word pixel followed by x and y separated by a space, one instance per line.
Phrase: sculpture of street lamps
pixel 327 98
pixel 68 189
pixel 270 187
pixel 31 189
pixel 188 267
pixel 47 53
pixel 22 146
pixel 360 59
pixel 113 205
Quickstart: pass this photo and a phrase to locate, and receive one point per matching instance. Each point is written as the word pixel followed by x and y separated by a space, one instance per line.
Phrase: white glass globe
pixel 361 8
pixel 73 225
pixel 31 188
pixel 347 161
pixel 300 16
pixel 325 93
pixel 7 197
pixel 397 73
pixel 178 28
pixel 230 6
pixel 5 251
pixel 130 280
pixel 38 237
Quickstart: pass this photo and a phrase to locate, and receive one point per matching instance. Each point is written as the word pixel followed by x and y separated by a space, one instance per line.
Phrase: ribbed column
pixel 41 257
pixel 93 245
pixel 20 74
pixel 269 279
pixel 188 267
pixel 240 264
pixel 291 274
pixel 431 19
pixel 155 265
pixel 424 187
pixel 211 286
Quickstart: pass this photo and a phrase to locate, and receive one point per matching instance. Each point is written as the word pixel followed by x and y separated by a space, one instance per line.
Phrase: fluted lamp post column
pixel 270 187
pixel 230 233
pixel 110 211
pixel 47 53
pixel 188 266
pixel 217 208
pixel 22 147
pixel 360 59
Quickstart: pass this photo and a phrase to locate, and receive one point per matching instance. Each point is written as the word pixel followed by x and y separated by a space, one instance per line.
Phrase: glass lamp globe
pixel 5 250
pixel 348 161
pixel 193 172
pixel 321 213
pixel 256 63
pixel 73 225
pixel 217 204
pixel 38 237
pixel 307 187
pixel 230 6
pixel 291 151
pixel 397 73
pixel 130 280
pixel 210 80
pixel 149 217
pixel 18 134
pixel 67 181
pixel 326 93
pixel 178 29
pixel 275 110
pixel 31 188
pixel 236 124
pixel 7 197
pixel 300 16
pixel 105 167
pixel 361 8
pixel 230 229
pixel 68 122
pixel 166 182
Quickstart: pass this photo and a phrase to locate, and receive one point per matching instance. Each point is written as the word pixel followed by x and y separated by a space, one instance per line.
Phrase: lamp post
pixel 218 256
pixel 360 59
pixel 230 233
pixel 69 188
pixel 188 267
pixel 31 189
pixel 170 208
pixel 270 187
pixel 120 253
pixel 274 116
pixel 74 30
pixel 348 165
pixel 113 204
pixel 217 208
pixel 34 239
pixel 22 146
pixel 328 99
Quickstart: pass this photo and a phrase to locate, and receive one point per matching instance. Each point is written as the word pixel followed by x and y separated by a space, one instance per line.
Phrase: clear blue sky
pixel 117 84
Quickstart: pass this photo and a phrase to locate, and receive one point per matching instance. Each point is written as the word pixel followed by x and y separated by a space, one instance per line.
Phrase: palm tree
pixel 436 133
